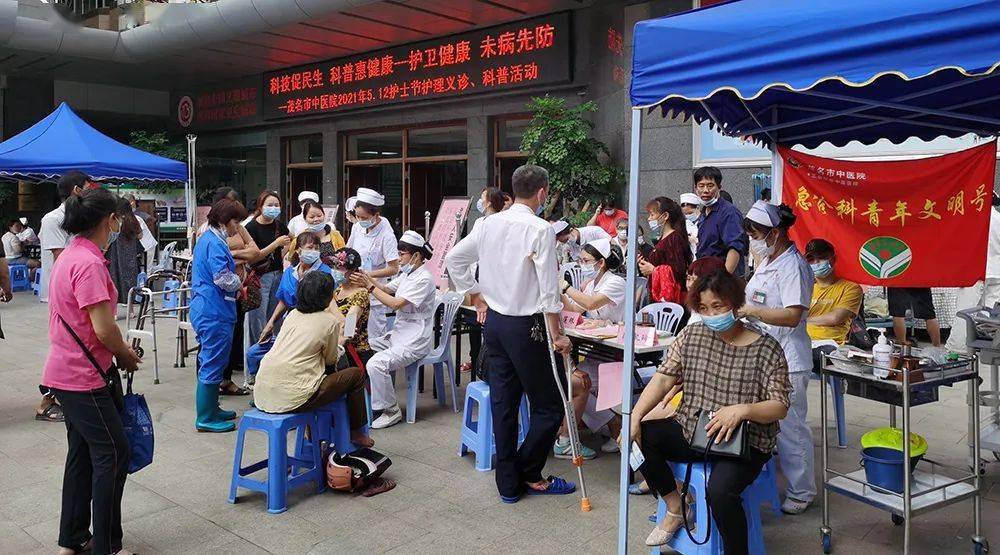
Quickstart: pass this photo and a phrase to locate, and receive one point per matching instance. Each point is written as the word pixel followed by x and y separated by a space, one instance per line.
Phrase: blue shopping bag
pixel 138 424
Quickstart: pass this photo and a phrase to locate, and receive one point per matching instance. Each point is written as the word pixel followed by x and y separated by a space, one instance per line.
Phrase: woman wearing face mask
pixel 691 207
pixel 123 252
pixel 778 297
pixel 373 238
pixel 411 295
pixel 84 302
pixel 603 301
pixel 738 374
pixel 351 298
pixel 305 258
pixel 607 216
pixel 490 202
pixel 666 221
pixel 214 287
pixel 330 239
pixel 271 235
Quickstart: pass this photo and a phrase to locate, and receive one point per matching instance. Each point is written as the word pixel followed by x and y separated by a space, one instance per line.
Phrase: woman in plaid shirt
pixel 730 369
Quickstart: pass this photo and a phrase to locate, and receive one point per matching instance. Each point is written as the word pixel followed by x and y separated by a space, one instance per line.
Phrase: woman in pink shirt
pixel 83 336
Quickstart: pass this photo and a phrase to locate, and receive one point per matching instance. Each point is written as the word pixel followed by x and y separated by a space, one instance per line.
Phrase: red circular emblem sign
pixel 185 111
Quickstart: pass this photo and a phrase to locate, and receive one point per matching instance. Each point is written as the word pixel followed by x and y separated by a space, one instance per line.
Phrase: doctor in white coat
pixel 412 296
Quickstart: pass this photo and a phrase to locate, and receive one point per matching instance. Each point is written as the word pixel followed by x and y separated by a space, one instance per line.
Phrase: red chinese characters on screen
pixel 449 54
pixel 369 68
pixel 226 105
pixel 508 75
pixel 523 40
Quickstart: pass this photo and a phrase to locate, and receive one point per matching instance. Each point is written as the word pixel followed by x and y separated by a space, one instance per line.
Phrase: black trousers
pixel 475 339
pixel 521 365
pixel 663 440
pixel 236 350
pixel 96 467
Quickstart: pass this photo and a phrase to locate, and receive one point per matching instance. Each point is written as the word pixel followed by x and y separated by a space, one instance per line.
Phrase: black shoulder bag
pixel 736 448
pixel 112 378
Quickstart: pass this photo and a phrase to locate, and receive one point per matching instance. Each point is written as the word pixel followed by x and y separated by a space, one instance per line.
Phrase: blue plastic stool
pixel 170 298
pixel 279 479
pixel 477 435
pixel 838 409
pixel 140 281
pixel 19 277
pixel 333 425
pixel 760 491
pixel 36 284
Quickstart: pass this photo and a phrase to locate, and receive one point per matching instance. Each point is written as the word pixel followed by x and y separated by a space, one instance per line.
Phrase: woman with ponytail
pixel 84 341
pixel 603 301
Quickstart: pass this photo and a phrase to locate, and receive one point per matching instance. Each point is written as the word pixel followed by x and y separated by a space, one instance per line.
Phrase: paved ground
pixel 442 504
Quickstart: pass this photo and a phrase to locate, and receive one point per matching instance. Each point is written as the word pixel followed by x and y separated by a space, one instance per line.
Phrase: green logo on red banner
pixel 885 257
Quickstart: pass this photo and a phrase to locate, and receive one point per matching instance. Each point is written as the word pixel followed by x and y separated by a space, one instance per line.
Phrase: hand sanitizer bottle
pixel 882 356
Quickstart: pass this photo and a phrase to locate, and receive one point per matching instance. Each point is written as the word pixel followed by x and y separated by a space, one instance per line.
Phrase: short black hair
pixel 708 172
pixel 225 211
pixel 726 286
pixel 528 180
pixel 314 292
pixel 13 222
pixel 765 193
pixel 304 239
pixel 70 181
pixel 724 195
pixel 819 249
pixel 85 211
pixel 368 207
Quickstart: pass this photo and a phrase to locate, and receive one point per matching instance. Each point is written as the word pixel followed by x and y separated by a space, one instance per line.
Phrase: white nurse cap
pixel 602 246
pixel 560 226
pixel 692 199
pixel 764 214
pixel 308 195
pixel 370 196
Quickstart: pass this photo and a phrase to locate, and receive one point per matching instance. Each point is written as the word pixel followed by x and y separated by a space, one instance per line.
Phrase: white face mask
pixel 654 224
pixel 589 270
pixel 481 206
pixel 609 212
pixel 622 234
pixel 692 217
pixel 761 249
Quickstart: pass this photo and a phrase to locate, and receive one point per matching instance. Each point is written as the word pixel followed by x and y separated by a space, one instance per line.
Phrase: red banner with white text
pixel 907 223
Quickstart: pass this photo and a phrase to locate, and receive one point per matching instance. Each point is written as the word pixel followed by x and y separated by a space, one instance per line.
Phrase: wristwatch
pixel 370 289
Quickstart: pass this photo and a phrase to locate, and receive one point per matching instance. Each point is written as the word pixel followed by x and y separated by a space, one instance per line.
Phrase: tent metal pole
pixel 872 103
pixel 190 190
pixel 629 359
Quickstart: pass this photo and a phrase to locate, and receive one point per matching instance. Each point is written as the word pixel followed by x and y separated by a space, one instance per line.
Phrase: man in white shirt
pixel 298 223
pixel 53 240
pixel 517 294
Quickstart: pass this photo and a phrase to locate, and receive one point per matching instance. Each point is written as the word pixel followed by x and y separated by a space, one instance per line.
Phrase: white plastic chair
pixel 441 357
pixel 575 274
pixel 641 292
pixel 666 316
pixel 165 262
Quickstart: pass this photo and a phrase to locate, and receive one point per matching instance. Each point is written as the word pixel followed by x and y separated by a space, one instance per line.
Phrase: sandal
pixel 638 489
pixel 232 389
pixel 52 413
pixel 557 486
pixel 659 536
pixel 378 485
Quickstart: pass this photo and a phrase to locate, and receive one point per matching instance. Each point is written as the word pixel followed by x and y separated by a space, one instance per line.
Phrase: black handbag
pixel 736 448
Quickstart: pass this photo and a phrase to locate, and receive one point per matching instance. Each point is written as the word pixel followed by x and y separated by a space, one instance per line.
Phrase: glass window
pixel 303 150
pixel 375 146
pixel 509 134
pixel 242 168
pixel 437 141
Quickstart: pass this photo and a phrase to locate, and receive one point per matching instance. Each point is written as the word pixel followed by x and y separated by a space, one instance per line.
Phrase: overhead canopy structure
pixel 825 70
pixel 62 142
pixel 792 72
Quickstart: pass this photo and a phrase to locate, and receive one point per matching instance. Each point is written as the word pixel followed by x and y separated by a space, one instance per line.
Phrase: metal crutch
pixel 574 432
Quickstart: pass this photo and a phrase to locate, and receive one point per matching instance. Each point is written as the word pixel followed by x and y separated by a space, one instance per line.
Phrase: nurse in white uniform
pixel 572 239
pixel 778 297
pixel 602 299
pixel 373 238
pixel 412 296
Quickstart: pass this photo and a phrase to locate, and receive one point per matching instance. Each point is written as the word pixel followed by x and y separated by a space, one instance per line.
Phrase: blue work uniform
pixel 213 310
pixel 290 283
pixel 720 231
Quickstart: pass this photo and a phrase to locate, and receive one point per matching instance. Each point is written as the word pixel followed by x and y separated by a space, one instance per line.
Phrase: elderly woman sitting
pixel 298 373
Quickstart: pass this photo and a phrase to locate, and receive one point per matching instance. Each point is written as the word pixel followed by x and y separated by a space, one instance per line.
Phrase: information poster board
pixel 445 233
pixel 330 210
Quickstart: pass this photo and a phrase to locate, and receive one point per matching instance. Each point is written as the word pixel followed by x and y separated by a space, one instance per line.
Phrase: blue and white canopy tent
pixel 791 72
pixel 62 141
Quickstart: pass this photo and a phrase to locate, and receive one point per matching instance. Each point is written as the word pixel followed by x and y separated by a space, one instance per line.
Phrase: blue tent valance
pixel 62 142
pixel 798 72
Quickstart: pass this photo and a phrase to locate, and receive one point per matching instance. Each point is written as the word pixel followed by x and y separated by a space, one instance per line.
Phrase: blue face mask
pixel 719 322
pixel 338 278
pixel 366 224
pixel 822 268
pixel 309 257
pixel 271 212
pixel 540 209
pixel 406 268
pixel 481 206
pixel 113 237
